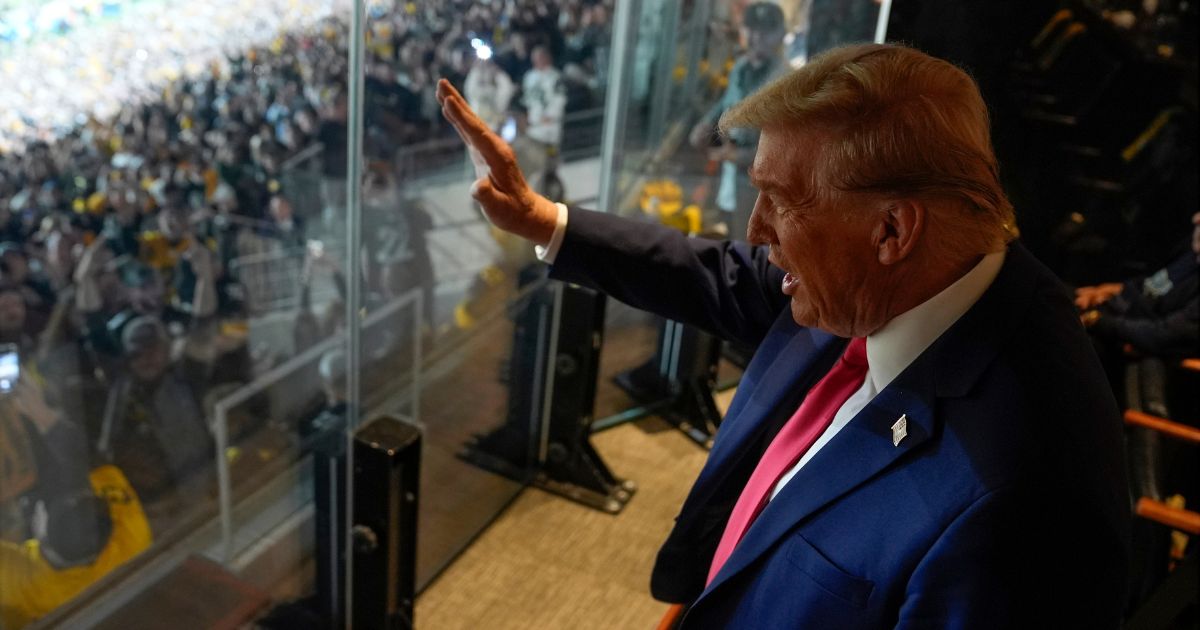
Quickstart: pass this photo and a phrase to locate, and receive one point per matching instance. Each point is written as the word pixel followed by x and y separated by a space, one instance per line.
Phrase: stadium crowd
pixel 124 308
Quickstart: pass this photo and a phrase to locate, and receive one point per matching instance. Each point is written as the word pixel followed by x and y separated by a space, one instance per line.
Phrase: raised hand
pixel 500 188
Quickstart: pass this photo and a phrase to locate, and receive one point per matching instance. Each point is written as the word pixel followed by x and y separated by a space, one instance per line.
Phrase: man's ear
pixel 899 225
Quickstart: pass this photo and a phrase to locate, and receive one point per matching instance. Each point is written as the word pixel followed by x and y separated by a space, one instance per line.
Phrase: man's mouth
pixel 789 283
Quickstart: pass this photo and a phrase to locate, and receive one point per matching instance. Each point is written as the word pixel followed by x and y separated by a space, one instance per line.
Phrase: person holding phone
pixel 76 540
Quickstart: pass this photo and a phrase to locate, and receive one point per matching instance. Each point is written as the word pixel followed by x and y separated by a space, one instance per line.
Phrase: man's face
pixel 147 298
pixel 12 312
pixel 148 364
pixel 16 267
pixel 281 209
pixel 761 44
pixel 822 240
pixel 173 223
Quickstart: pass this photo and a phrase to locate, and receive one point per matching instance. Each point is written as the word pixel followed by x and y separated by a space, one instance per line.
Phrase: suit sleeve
pixel 1019 558
pixel 1173 334
pixel 723 287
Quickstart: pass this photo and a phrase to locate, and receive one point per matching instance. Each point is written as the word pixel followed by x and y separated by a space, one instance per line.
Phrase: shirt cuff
pixel 548 253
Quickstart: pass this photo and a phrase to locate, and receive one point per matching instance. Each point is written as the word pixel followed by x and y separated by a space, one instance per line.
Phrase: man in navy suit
pixel 970 476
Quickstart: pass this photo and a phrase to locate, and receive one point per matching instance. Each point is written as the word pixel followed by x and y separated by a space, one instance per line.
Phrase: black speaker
pixel 387 463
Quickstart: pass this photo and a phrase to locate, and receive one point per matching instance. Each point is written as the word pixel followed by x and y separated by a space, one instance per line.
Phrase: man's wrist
pixel 548 252
pixel 545 221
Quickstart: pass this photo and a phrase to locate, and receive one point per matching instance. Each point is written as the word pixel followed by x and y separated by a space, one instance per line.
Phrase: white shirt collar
pixel 900 341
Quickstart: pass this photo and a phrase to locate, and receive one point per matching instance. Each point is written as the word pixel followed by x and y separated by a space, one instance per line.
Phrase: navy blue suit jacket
pixel 1004 507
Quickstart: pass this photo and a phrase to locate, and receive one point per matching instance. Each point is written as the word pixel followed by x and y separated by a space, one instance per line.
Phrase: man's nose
pixel 757 231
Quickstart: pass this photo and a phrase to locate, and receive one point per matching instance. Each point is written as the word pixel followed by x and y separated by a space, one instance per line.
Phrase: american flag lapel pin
pixel 899 430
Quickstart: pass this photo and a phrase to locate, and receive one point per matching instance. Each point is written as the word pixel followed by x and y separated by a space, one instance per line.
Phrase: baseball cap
pixel 143 333
pixel 763 16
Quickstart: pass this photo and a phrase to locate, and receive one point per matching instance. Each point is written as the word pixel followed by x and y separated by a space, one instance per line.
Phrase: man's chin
pixel 810 319
pixel 803 317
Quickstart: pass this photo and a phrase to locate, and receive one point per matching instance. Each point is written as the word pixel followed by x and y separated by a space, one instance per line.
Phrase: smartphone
pixel 316 248
pixel 10 367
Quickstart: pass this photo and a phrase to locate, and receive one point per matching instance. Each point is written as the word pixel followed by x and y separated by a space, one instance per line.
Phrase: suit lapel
pixel 857 453
pixel 763 394
pixel 765 390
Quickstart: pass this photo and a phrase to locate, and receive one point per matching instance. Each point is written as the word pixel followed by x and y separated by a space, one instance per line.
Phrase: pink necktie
pixel 793 440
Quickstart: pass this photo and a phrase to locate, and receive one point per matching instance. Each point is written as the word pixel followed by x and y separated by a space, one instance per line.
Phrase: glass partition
pixel 537 76
pixel 169 174
pixel 232 232
pixel 536 71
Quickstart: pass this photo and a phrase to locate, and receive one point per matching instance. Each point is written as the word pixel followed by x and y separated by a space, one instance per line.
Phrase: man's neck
pixel 918 282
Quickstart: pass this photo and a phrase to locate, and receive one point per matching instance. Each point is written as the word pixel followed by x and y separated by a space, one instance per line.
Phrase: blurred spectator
pixel 646 49
pixel 78 540
pixel 60 239
pixel 389 110
pixel 309 328
pixel 513 55
pixel 12 318
pixel 1158 317
pixel 36 291
pixel 545 99
pixel 395 243
pixel 186 263
pixel 64 538
pixel 154 428
pixel 763 31
pixel 332 134
pixel 288 229
pixel 55 446
pixel 833 23
pixel 1159 314
pixel 489 90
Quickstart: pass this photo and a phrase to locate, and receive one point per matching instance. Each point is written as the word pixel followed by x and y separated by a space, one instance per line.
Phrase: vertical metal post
pixel 548 338
pixel 224 485
pixel 385 524
pixel 616 100
pixel 885 12
pixel 418 306
pixel 354 138
pixel 664 75
pixel 697 39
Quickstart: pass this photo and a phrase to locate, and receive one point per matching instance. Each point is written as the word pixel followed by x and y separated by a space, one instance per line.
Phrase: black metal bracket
pixel 569 465
pixel 678 382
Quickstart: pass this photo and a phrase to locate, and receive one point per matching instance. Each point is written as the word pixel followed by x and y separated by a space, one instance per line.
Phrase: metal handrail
pixel 302 156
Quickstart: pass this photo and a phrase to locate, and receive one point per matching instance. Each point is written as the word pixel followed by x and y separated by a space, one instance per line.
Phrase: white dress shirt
pixel 889 351
pixel 548 253
pixel 895 346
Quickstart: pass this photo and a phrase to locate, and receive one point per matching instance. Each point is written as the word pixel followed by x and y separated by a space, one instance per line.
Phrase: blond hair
pixel 900 122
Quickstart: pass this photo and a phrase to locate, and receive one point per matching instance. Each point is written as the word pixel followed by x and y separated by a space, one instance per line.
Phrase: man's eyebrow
pixel 760 183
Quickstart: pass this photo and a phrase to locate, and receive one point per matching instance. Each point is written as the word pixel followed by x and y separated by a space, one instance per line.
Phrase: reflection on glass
pixel 158 254
pixel 536 72
pixel 174 278
pixel 690 63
